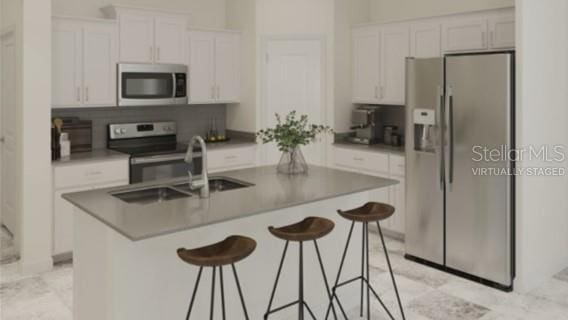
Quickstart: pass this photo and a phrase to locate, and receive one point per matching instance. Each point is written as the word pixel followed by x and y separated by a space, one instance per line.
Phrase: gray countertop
pixel 270 192
pixel 95 155
pixel 106 154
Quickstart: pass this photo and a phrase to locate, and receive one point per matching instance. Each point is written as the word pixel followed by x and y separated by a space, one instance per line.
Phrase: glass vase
pixel 292 162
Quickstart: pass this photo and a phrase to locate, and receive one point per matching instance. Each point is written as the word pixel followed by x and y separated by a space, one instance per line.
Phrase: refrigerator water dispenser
pixel 424 130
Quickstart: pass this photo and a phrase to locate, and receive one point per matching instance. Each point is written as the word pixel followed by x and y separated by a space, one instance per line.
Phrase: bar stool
pixel 309 229
pixel 227 252
pixel 370 212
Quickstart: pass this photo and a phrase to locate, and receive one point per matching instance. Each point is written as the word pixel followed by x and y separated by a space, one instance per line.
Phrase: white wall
pixel 542 205
pixel 347 13
pixel 205 13
pixel 35 250
pixel 389 10
pixel 241 15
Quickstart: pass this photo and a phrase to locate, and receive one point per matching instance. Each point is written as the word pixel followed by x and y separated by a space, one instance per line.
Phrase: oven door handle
pixel 161 158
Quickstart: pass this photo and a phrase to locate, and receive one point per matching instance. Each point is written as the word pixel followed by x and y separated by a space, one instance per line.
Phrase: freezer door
pixel 424 237
pixel 478 212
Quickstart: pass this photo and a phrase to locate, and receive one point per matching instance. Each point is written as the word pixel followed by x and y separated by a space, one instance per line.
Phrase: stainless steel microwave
pixel 152 84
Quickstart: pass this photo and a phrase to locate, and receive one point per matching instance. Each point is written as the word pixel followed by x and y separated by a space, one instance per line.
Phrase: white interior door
pixel 9 119
pixel 293 81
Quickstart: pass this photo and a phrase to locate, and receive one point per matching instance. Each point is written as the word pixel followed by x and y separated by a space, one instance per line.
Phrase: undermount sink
pixel 151 195
pixel 177 191
pixel 218 184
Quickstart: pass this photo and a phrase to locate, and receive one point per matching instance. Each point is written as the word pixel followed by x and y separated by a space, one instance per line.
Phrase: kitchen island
pixel 125 261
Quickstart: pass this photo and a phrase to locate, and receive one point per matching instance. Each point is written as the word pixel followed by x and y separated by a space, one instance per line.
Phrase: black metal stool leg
pixel 310 311
pixel 301 283
pixel 240 291
pixel 368 277
pixel 212 294
pixel 324 277
pixel 194 292
pixel 391 272
pixel 277 279
pixel 333 294
pixel 222 291
pixel 362 267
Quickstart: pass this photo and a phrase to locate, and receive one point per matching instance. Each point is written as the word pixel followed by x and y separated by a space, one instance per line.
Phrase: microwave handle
pixel 174 93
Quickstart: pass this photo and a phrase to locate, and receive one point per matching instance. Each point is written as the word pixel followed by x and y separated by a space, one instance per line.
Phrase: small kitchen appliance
pixel 365 122
pixel 152 84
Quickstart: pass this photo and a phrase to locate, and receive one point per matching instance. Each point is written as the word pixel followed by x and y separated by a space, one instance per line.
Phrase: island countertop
pixel 271 191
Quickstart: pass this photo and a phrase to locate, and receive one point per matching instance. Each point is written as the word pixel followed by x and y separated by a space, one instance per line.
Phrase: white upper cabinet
pixel 227 66
pixel 502 32
pixel 100 55
pixel 66 63
pixel 136 38
pixel 84 57
pixel 147 36
pixel 464 35
pixel 394 51
pixel 214 67
pixel 426 40
pixel 170 33
pixel 202 66
pixel 366 59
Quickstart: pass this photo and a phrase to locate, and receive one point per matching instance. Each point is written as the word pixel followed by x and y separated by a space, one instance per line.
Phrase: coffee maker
pixel 365 122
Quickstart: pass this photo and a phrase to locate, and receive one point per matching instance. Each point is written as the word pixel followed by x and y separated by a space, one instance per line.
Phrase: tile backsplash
pixel 190 120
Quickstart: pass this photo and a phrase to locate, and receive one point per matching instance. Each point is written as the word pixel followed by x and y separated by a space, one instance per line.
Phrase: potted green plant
pixel 289 135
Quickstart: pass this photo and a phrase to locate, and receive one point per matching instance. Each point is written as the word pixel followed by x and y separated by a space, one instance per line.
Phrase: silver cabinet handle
pixel 87 93
pixel 376 91
pixel 218 92
pixel 212 92
pixel 151 53
pixel 492 38
pixel 78 94
pixel 382 92
pixel 483 40
pixel 158 54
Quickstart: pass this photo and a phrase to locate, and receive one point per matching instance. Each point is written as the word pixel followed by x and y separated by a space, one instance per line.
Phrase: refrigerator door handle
pixel 450 98
pixel 441 128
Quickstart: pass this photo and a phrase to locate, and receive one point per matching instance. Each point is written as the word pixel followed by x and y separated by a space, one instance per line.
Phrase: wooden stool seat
pixel 311 228
pixel 228 251
pixel 370 212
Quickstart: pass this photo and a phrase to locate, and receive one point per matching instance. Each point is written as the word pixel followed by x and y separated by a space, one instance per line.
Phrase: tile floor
pixel 427 294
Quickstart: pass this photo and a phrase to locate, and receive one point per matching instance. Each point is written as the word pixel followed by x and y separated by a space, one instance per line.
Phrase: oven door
pixel 146 169
pixel 151 85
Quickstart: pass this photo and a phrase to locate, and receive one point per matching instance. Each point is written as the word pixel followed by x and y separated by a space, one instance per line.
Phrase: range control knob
pixel 117 131
pixel 122 131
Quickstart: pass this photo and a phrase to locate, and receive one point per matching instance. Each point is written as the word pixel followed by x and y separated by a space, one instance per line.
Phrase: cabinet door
pixel 465 35
pixel 136 38
pixel 394 51
pixel 66 64
pixel 170 35
pixel 202 67
pixel 63 221
pixel 100 55
pixel 227 67
pixel 426 40
pixel 366 42
pixel 502 32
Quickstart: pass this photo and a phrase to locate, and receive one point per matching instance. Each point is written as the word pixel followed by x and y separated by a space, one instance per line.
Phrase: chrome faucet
pixel 201 181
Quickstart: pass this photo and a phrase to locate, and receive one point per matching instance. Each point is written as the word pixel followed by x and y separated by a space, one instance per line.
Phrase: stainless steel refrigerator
pixel 458 219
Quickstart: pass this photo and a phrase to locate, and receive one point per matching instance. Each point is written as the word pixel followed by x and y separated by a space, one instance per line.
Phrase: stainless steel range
pixel 153 149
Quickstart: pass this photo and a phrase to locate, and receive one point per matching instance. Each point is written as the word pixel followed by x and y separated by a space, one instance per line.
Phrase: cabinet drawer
pixel 91 173
pixel 397 166
pixel 360 160
pixel 231 158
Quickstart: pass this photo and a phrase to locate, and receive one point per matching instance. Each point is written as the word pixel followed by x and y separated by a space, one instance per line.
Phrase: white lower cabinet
pixel 231 159
pixel 76 178
pixel 382 165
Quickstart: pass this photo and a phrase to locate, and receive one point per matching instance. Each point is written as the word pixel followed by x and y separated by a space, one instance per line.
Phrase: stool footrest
pixel 370 287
